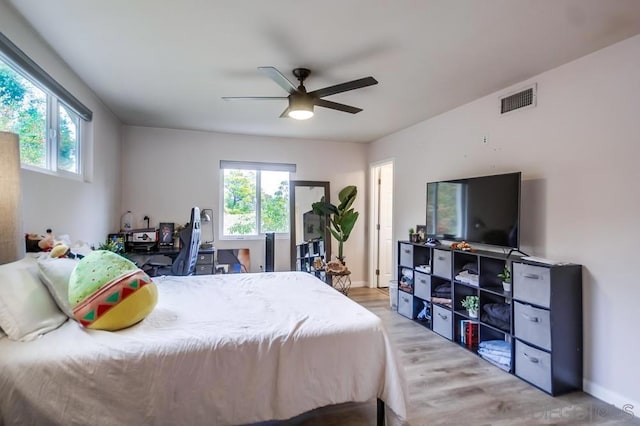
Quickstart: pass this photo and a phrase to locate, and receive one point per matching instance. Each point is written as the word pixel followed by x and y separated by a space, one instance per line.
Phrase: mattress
pixel 216 350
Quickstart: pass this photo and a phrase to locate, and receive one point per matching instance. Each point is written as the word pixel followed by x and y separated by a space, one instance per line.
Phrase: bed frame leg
pixel 380 419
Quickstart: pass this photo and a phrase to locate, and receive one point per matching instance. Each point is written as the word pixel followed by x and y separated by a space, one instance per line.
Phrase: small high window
pixel 48 119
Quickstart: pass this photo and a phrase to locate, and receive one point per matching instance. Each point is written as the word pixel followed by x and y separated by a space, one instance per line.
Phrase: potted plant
pixel 505 276
pixel 342 217
pixel 471 304
pixel 111 245
pixel 411 233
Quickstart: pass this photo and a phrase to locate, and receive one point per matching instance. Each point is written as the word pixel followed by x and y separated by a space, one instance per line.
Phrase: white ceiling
pixel 167 63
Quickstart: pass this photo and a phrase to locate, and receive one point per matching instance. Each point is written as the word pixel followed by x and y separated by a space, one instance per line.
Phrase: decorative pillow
pixel 55 274
pixel 26 307
pixel 109 292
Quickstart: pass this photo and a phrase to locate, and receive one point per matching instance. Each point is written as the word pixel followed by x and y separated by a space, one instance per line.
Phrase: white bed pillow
pixel 55 274
pixel 26 307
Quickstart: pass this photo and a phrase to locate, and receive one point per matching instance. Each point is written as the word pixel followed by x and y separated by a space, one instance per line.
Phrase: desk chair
pixel 185 262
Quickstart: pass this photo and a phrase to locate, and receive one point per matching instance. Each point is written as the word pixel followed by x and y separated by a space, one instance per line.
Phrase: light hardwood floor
pixel 450 386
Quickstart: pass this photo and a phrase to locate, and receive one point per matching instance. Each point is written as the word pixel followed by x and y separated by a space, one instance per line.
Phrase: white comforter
pixel 216 350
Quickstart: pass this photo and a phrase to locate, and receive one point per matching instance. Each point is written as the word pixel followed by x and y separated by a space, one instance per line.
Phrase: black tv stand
pixel 433 282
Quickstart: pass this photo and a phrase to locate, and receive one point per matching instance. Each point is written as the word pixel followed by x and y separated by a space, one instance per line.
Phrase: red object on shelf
pixel 471 334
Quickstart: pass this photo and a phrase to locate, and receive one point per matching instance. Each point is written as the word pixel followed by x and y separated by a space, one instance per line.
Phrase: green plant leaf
pixel 336 235
pixel 342 218
pixel 348 192
pixel 348 222
pixel 347 196
pixel 322 208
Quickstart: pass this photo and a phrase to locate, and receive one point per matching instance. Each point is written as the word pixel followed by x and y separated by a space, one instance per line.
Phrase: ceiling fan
pixel 301 102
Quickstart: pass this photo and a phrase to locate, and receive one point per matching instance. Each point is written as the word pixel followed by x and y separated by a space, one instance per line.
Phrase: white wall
pixel 84 210
pixel 167 171
pixel 578 151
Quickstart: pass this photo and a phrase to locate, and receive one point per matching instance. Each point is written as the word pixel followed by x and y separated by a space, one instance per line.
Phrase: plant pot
pixel 472 314
pixel 506 286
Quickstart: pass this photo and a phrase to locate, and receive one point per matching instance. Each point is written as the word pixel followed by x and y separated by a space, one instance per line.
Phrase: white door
pixel 382 185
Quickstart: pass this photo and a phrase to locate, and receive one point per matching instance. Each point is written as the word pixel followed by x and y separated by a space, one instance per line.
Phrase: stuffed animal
pixel 109 292
pixel 61 250
pixel 47 242
pixel 35 242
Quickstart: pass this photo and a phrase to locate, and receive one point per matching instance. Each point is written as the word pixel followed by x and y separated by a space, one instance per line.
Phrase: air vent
pixel 522 99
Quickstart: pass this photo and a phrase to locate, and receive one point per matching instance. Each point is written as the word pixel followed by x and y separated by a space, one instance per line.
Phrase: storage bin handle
pixel 443 316
pixel 532 319
pixel 532 276
pixel 441 258
pixel 407 251
pixel 531 358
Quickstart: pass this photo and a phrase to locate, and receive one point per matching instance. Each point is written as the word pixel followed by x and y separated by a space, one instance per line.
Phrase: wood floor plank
pixel 448 385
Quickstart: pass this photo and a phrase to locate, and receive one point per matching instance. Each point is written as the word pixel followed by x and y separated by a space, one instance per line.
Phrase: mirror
pixel 305 226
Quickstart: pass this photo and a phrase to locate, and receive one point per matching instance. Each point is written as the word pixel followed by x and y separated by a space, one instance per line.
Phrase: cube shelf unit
pixel 544 308
pixel 306 253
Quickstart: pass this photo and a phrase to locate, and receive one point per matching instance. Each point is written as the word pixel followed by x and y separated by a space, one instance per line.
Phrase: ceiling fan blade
pixel 285 113
pixel 280 79
pixel 339 88
pixel 253 98
pixel 334 105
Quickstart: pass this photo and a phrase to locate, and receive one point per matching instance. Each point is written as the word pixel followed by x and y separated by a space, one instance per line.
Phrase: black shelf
pixel 472 348
pixel 424 323
pixel 560 348
pixel 498 291
pixel 306 253
pixel 465 314
pixel 466 284
pixel 493 327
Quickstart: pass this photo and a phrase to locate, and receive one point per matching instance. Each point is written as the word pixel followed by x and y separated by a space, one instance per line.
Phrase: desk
pixel 142 257
pixel 205 264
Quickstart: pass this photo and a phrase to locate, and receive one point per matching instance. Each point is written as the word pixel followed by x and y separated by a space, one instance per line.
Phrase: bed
pixel 216 350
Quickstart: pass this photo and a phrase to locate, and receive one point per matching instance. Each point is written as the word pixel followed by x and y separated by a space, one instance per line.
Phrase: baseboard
pixel 625 404
pixel 359 284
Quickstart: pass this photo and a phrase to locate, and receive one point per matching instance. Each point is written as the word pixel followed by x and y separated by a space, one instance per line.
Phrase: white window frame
pixel 258 168
pixel 56 96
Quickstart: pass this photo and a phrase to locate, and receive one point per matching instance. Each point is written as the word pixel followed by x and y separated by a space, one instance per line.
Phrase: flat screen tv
pixel 482 210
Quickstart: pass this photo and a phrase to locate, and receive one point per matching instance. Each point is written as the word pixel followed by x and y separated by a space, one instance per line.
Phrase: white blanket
pixel 216 350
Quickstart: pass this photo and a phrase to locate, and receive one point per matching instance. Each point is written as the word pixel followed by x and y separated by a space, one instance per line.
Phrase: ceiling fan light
pixel 301 114
pixel 300 108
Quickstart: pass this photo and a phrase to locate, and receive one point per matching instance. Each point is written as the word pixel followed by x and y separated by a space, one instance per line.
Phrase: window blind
pixel 253 165
pixel 21 60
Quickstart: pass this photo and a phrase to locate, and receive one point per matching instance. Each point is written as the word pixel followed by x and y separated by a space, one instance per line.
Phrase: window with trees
pixel 255 199
pixel 47 118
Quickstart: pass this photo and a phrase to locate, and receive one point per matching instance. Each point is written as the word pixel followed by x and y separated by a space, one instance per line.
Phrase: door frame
pixel 373 218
